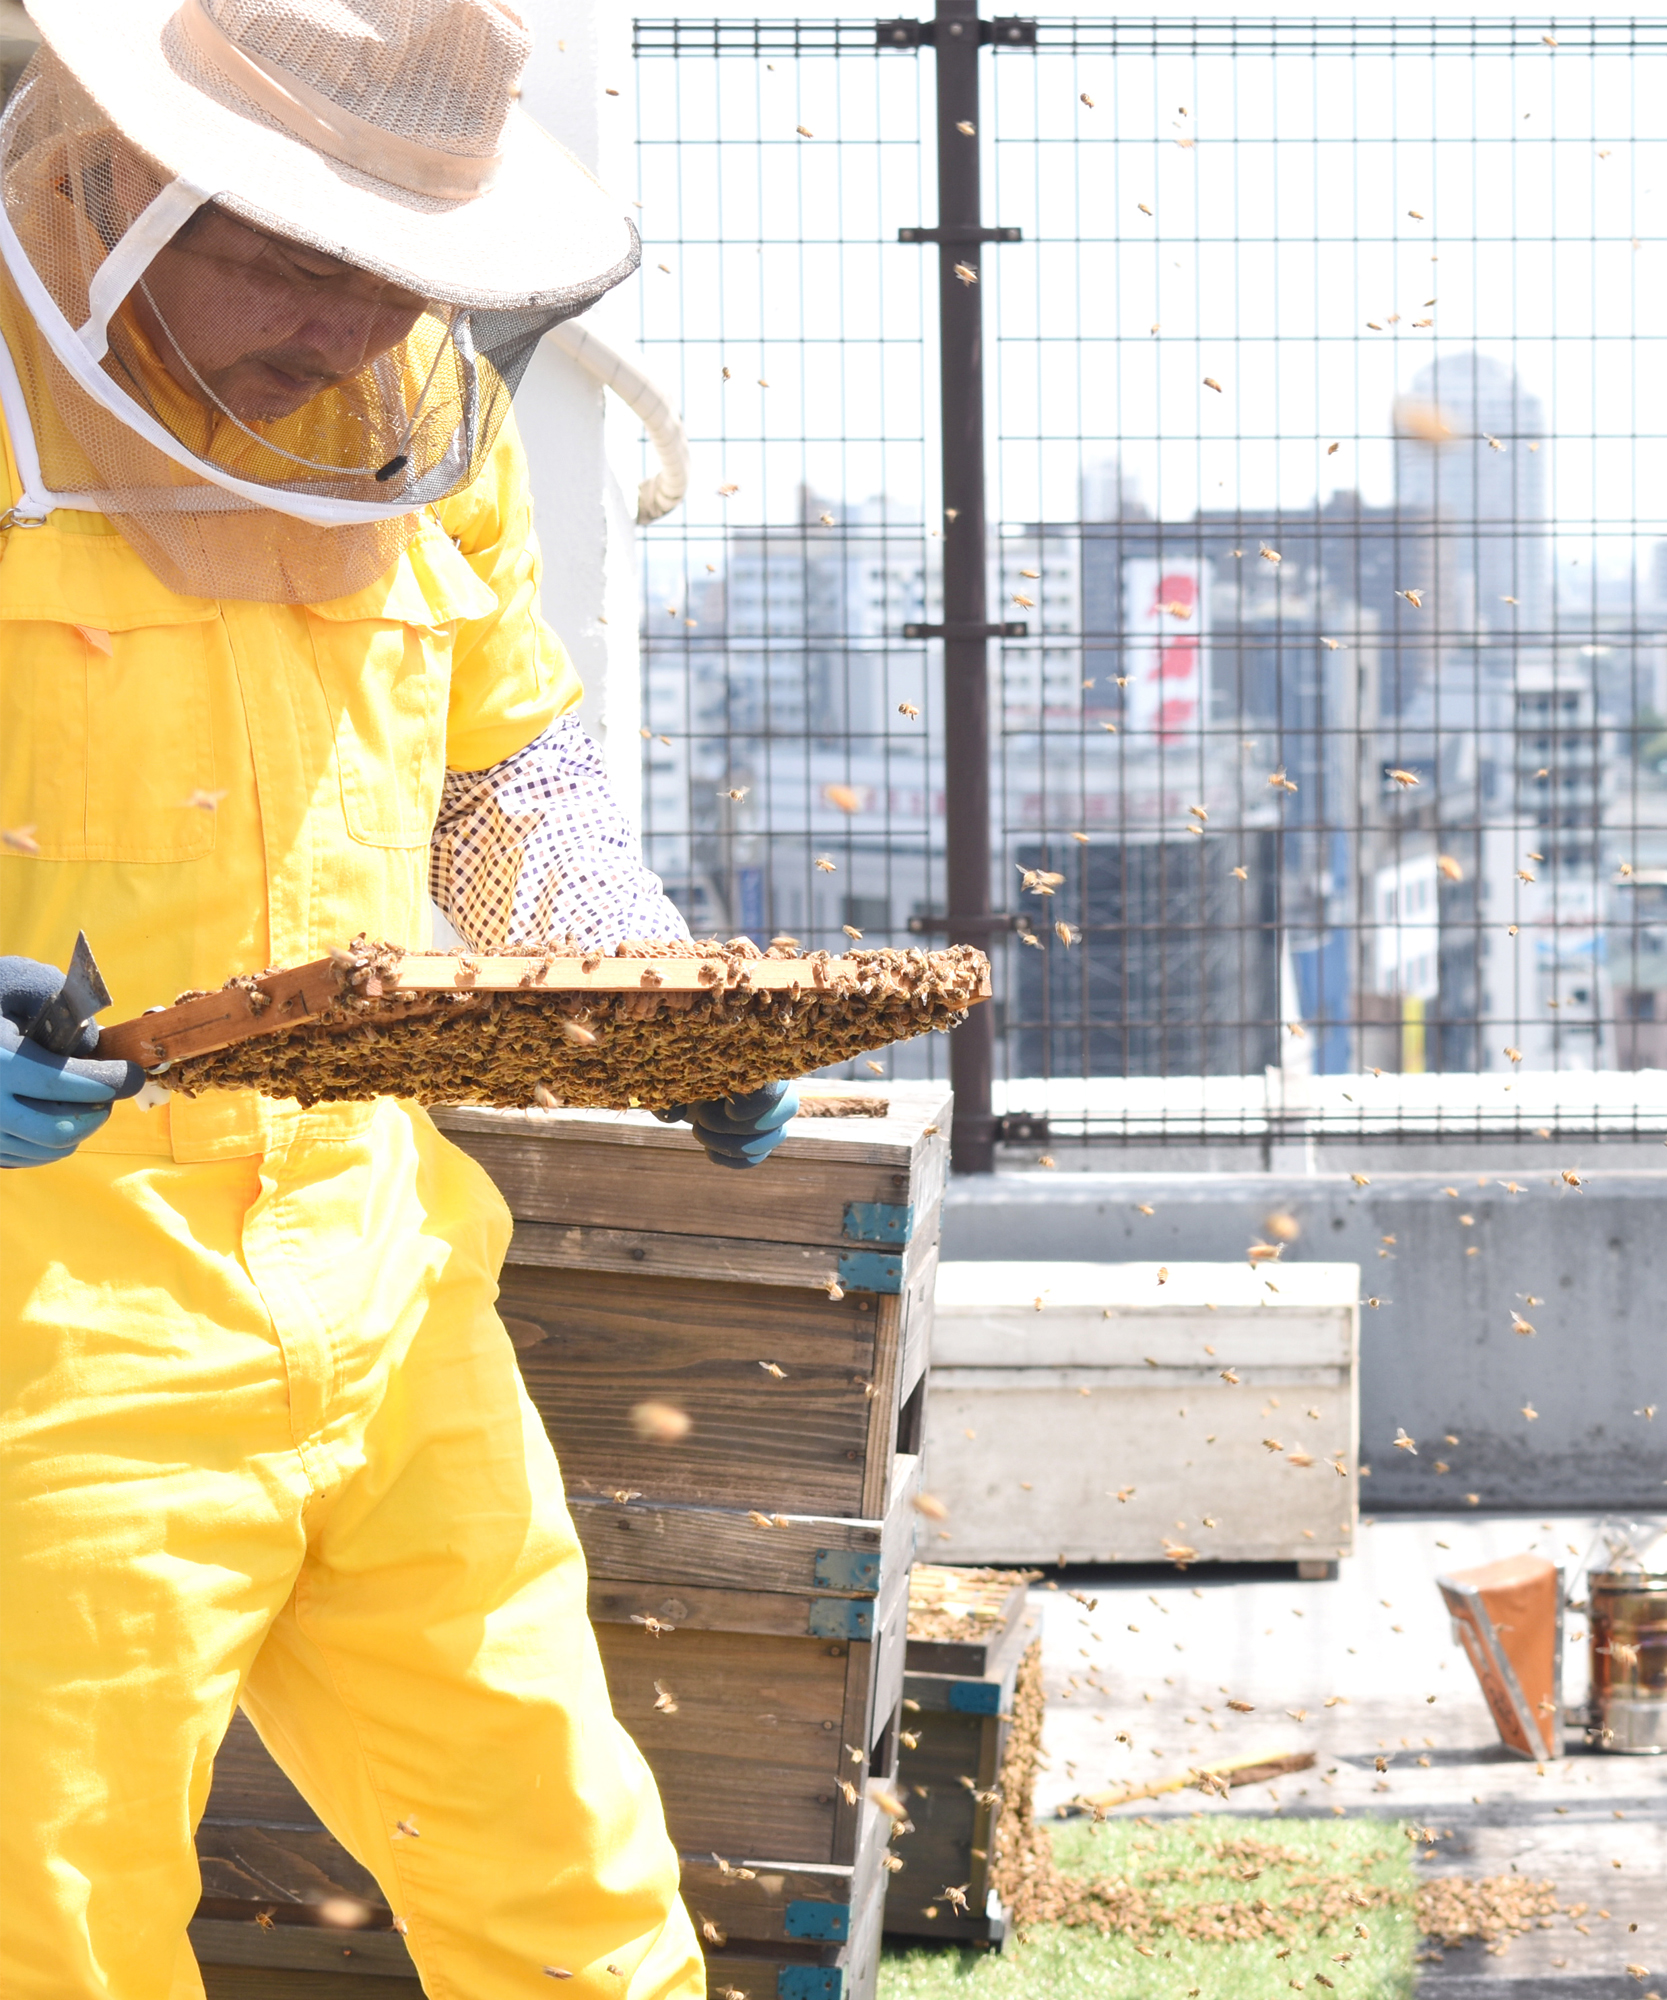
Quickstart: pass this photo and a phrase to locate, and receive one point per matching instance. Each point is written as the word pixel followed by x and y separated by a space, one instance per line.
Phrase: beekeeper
pixel 273 666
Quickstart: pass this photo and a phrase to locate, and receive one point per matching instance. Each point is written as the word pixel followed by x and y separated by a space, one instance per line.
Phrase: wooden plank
pixel 698 1608
pixel 600 1344
pixel 724 1259
pixel 912 1136
pixel 671 1186
pixel 919 1283
pixel 951 1661
pixel 751 1897
pixel 873 1693
pixel 301 1948
pixel 754 1972
pixel 656 1253
pixel 265 1982
pixel 725 1549
pixel 626 1172
pixel 249 1787
pixel 714 1799
pixel 862 1961
pixel 1040 1475
pixel 981 1645
pixel 752 1757
pixel 273 1001
pixel 643 1542
pixel 951 1927
pixel 749 1759
pixel 955 1759
pixel 446 972
pixel 216 1020
pixel 1201 1294
pixel 1126 1344
pixel 884 1402
pixel 766 1701
pixel 901 1532
pixel 278 1868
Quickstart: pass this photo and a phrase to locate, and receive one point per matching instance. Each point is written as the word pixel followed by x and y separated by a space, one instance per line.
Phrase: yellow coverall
pixel 264 1436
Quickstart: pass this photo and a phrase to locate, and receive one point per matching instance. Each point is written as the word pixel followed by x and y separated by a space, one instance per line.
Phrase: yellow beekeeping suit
pixel 264 1436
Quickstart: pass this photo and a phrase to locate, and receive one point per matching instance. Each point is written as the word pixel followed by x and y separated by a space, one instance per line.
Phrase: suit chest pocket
pixel 106 741
pixel 387 686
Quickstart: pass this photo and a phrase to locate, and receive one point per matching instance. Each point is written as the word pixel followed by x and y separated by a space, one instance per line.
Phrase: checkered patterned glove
pixel 536 849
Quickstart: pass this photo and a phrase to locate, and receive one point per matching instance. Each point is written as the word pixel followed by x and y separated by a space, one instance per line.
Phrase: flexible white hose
pixel 660 494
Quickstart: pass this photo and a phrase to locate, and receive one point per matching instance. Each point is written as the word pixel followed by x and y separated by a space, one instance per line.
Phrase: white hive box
pixel 1056 1387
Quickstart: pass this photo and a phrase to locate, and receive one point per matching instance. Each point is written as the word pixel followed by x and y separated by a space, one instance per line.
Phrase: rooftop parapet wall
pixel 1585 1267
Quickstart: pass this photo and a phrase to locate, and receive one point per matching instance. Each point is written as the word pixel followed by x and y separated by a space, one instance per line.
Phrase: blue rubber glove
pixel 739 1131
pixel 48 1103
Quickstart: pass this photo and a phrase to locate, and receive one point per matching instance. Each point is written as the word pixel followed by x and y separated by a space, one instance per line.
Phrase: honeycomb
pixel 589 1050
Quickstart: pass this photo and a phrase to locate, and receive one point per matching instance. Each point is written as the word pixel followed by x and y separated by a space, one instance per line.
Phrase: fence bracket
pixel 965 234
pixel 1014 628
pixel 1006 31
pixel 925 926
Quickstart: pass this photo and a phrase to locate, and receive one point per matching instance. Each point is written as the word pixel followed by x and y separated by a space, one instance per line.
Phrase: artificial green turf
pixel 1078 1963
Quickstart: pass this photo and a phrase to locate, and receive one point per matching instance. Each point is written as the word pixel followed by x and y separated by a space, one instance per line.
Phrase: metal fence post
pixel 957 34
pixel 966 681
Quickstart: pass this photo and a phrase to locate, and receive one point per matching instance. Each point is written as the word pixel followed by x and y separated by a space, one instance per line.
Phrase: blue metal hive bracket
pixel 809 1982
pixel 828 1923
pixel 841 1618
pixel 847 1569
pixel 870 1271
pixel 878 1222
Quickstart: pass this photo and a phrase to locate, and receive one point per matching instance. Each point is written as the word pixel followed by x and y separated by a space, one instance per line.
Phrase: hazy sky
pixel 1522 191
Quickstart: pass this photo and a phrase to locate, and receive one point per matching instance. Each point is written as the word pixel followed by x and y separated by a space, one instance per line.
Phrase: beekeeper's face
pixel 260 323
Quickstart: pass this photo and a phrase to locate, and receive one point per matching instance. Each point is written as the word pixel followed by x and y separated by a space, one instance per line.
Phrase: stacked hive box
pixel 775 1538
pixel 1132 1412
pixel 967 1634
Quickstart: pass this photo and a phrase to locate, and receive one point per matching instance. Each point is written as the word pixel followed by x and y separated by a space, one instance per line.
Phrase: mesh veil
pixel 403 429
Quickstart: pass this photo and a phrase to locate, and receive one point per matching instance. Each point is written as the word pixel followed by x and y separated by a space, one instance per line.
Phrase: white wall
pixel 581 441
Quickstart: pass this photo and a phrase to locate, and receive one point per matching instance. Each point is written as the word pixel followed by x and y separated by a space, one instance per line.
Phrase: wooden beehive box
pixel 1089 1412
pixel 774 1539
pixel 968 1633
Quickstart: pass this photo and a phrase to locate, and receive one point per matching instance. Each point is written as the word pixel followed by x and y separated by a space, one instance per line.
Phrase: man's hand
pixel 739 1131
pixel 48 1103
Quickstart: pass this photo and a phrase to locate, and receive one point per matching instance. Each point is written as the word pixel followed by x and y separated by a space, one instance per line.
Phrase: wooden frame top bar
pixel 288 999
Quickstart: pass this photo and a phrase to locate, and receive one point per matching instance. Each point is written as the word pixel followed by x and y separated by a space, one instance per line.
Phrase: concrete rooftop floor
pixel 1159 1653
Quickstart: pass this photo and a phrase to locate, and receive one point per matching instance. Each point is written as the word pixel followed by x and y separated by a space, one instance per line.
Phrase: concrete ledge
pixel 1438 1354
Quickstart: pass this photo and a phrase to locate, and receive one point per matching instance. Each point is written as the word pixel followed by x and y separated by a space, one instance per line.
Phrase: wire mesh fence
pixel 1328 749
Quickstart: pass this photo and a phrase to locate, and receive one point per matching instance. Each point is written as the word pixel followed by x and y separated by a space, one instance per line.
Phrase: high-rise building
pixel 1467 454
pixel 781 690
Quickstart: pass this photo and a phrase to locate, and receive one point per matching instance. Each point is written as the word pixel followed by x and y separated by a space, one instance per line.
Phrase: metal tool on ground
pixel 1260 1768
pixel 1508 1617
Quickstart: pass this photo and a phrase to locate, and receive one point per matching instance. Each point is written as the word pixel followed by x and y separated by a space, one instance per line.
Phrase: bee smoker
pixel 1508 1617
pixel 1626 1608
